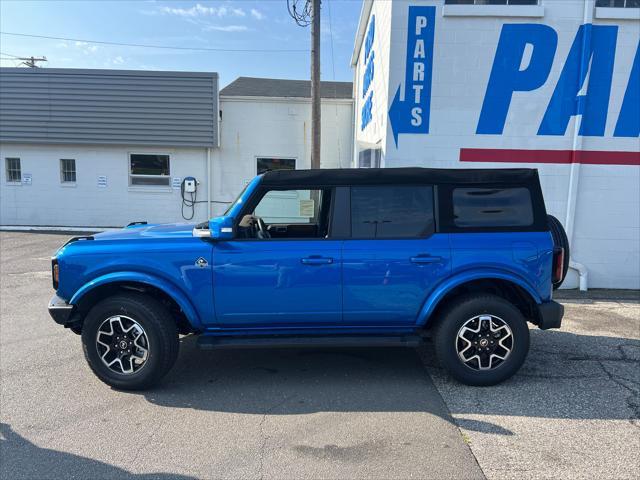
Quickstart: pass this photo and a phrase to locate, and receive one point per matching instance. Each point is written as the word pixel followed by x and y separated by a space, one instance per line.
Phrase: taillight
pixel 558 264
pixel 55 273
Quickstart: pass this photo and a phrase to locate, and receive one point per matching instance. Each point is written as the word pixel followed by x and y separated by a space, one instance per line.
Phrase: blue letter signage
pixel 411 114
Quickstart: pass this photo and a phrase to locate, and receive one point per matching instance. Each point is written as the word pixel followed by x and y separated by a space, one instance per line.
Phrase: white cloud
pixel 199 10
pixel 257 14
pixel 226 28
pixel 86 48
pixel 117 60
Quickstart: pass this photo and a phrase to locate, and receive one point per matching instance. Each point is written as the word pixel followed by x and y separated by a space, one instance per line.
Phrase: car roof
pixel 393 176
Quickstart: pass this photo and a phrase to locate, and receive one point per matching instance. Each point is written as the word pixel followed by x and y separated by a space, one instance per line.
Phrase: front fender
pixel 147 279
pixel 445 287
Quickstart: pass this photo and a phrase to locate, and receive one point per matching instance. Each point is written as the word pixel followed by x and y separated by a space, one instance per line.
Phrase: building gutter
pixel 574 176
pixel 208 183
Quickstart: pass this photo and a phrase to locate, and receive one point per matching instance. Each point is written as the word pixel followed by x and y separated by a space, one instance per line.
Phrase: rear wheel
pixel 130 341
pixel 481 340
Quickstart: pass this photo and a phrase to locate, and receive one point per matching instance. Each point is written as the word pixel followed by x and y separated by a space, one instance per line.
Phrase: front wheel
pixel 130 341
pixel 481 340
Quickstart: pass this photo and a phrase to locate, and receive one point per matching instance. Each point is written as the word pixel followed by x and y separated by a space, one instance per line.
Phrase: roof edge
pixel 106 71
pixel 365 13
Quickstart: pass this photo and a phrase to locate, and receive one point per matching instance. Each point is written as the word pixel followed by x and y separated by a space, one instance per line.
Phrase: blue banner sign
pixel 366 115
pixel 411 114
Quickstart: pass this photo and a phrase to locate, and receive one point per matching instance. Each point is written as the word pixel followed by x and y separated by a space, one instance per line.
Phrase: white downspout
pixel 574 176
pixel 208 183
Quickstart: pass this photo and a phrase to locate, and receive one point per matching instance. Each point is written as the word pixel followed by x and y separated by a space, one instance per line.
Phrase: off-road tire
pixel 159 327
pixel 559 240
pixel 454 317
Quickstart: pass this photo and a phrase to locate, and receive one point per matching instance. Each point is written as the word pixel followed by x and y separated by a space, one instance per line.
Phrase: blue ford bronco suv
pixel 349 257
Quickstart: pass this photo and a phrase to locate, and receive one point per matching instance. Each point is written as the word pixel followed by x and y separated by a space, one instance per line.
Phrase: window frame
pixel 276 157
pixel 62 172
pixel 434 199
pixel 7 170
pixel 447 224
pixel 137 175
pixel 614 6
pixel 260 192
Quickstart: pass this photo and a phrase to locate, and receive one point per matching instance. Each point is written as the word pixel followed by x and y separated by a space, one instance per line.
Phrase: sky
pixel 266 40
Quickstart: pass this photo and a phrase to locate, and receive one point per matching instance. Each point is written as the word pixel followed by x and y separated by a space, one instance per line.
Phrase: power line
pixel 167 47
pixel 333 64
pixel 9 55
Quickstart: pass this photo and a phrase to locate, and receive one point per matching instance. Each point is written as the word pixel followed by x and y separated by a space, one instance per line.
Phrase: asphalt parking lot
pixel 572 412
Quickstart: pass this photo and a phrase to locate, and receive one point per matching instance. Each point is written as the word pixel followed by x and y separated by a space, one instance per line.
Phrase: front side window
pixel 492 207
pixel 290 206
pixel 491 2
pixel 392 211
pixel 67 170
pixel 13 170
pixel 267 164
pixel 149 169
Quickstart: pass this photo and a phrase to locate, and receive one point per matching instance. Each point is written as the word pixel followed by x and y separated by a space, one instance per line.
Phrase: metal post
pixel 315 84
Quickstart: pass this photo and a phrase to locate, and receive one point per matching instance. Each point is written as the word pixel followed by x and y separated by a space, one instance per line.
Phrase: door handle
pixel 423 259
pixel 316 260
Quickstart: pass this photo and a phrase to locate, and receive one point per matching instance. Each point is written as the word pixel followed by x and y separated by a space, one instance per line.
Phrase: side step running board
pixel 209 342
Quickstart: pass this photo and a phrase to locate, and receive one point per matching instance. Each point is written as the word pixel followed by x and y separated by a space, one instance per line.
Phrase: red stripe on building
pixel 549 156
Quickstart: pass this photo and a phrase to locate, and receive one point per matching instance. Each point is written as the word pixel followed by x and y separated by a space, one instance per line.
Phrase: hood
pixel 169 230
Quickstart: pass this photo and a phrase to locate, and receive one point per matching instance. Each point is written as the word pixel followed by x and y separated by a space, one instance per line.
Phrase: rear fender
pixel 170 289
pixel 445 287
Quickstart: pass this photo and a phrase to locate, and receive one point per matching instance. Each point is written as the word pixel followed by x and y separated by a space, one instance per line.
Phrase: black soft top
pixel 394 176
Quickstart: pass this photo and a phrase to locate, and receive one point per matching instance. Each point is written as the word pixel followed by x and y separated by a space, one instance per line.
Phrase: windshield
pixel 237 200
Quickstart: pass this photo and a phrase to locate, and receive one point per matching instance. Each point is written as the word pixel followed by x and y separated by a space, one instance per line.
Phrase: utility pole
pixel 31 62
pixel 315 85
pixel 309 14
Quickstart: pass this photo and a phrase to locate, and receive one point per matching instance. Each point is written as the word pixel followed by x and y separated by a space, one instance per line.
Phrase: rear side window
pixel 392 211
pixel 492 207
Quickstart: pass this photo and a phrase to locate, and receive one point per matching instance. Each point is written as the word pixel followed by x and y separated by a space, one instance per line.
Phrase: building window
pixel 392 211
pixel 491 2
pixel 67 170
pixel 618 3
pixel 14 172
pixel 267 164
pixel 492 207
pixel 149 169
pixel 369 158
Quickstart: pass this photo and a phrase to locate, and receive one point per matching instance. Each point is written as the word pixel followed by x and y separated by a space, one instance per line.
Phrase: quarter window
pixel 147 169
pixel 268 164
pixel 67 170
pixel 13 170
pixel 392 211
pixel 492 207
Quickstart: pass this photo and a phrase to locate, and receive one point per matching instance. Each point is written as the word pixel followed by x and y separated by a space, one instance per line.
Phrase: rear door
pixel 394 256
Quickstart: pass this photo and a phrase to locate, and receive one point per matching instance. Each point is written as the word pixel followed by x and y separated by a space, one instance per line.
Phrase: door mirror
pixel 221 228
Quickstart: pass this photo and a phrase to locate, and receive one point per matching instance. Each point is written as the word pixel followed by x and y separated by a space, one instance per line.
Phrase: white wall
pixel 606 236
pixel 280 127
pixel 49 202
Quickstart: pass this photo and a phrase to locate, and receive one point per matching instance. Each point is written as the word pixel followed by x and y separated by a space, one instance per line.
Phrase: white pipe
pixel 208 183
pixel 574 176
pixel 582 272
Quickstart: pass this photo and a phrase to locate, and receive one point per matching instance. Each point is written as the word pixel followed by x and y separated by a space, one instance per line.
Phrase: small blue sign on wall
pixel 411 113
pixel 366 114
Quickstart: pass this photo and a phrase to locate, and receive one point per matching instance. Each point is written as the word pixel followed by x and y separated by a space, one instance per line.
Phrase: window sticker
pixel 307 208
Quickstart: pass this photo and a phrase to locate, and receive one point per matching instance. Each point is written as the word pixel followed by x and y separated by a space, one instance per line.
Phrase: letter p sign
pixel 421 22
pixel 506 75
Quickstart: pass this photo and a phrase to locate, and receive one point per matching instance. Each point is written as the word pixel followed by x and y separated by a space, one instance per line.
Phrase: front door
pixel 394 258
pixel 283 270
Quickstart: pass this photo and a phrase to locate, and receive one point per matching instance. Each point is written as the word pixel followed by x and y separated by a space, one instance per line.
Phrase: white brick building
pixel 102 148
pixel 554 85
